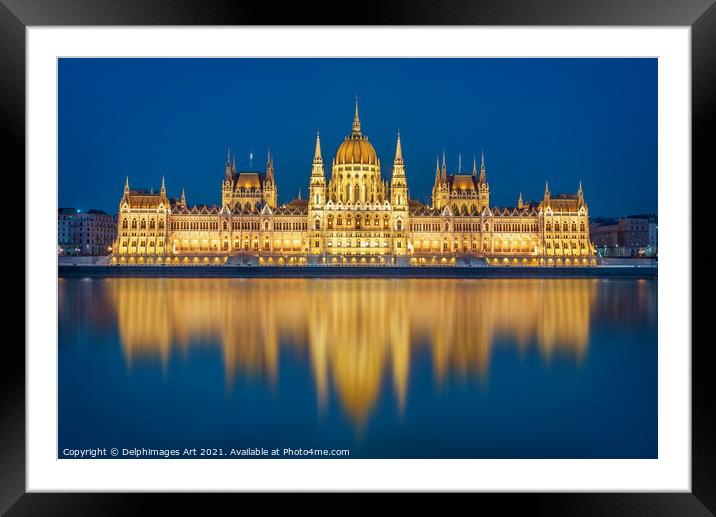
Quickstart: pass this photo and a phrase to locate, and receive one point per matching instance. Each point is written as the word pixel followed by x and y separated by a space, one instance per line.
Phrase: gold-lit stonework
pixel 355 334
pixel 356 218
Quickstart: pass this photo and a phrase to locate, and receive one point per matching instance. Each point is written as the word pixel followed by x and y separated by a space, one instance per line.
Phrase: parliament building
pixel 353 218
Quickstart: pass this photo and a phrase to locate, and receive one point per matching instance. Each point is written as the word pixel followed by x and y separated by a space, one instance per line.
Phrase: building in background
pixel 631 236
pixel 90 232
pixel 353 216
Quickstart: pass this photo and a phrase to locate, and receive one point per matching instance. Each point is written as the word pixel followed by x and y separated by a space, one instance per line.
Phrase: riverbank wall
pixel 82 271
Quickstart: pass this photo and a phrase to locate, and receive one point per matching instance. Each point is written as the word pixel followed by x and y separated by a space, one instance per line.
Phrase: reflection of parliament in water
pixel 355 332
pixel 356 217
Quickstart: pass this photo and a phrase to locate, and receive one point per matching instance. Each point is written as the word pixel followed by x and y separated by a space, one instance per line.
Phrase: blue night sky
pixel 560 120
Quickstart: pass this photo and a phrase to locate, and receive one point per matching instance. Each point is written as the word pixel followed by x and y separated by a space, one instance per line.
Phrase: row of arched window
pixel 143 224
pixel 565 226
pixel 359 221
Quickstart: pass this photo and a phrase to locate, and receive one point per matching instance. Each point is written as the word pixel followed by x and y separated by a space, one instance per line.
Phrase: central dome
pixel 356 148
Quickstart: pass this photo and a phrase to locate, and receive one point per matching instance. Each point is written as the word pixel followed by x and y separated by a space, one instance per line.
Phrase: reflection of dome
pixel 356 148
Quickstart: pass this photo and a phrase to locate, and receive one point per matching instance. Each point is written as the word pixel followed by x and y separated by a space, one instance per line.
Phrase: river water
pixel 384 368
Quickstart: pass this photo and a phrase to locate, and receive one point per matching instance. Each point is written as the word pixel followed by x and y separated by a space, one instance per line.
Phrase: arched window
pixel 581 226
pixel 266 225
pixel 143 224
pixel 161 224
pixel 151 224
pixel 134 224
pixel 317 224
pixel 399 225
pixel 125 224
pixel 574 226
pixel 225 226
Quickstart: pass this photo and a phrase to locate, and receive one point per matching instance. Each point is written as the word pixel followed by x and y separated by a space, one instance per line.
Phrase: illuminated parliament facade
pixel 355 217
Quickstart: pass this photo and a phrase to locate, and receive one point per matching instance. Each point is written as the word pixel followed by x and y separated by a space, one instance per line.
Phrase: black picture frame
pixel 16 15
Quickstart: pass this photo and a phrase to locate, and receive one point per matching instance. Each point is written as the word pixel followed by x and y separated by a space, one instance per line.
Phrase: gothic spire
pixel 163 189
pixel 317 152
pixel 356 120
pixel 398 151
pixel 474 166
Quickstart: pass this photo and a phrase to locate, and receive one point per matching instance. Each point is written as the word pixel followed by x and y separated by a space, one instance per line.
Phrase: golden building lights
pixel 355 334
pixel 354 218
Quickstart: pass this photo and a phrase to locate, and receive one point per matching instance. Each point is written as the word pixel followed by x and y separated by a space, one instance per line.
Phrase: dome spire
pixel 356 120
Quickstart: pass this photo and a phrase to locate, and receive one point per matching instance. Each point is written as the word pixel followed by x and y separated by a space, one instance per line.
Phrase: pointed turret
pixel 126 185
pixel 398 183
pixel 398 151
pixel 183 198
pixel 443 175
pixel 269 166
pixel 317 186
pixel 474 166
pixel 317 158
pixel 163 190
pixel 233 165
pixel 227 172
pixel 520 204
pixel 356 120
pixel 483 175
pixel 546 190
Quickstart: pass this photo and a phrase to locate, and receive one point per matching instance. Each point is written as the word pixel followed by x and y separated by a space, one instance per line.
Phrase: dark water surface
pixel 387 368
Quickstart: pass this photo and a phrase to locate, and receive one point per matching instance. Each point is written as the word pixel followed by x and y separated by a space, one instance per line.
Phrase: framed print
pixel 373 258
